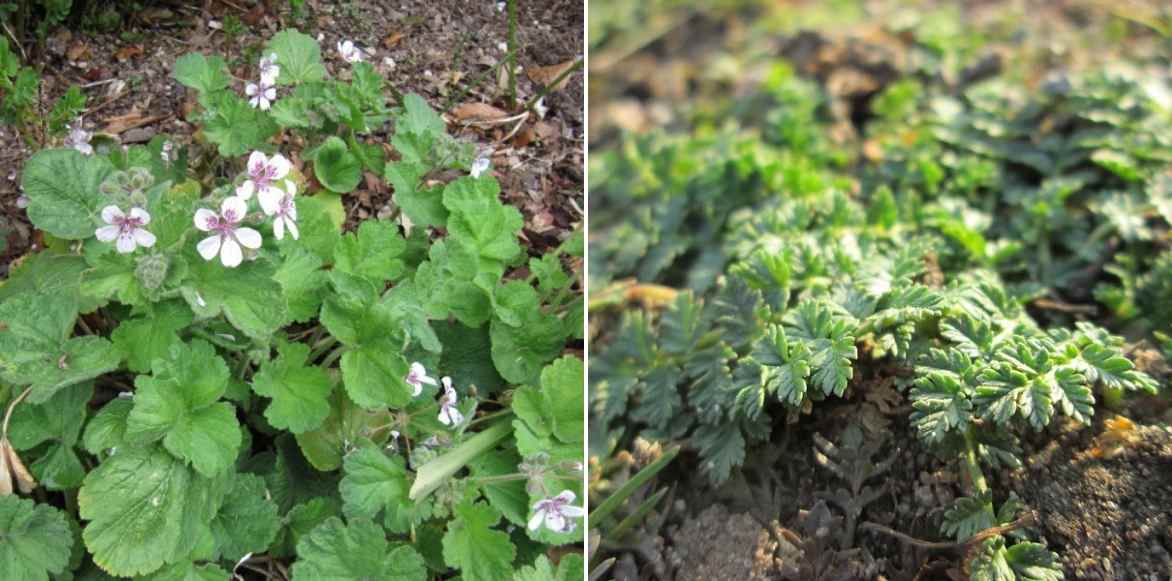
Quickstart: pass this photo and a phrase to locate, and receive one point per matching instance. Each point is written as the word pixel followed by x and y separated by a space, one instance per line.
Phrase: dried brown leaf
pixel 472 112
pixel 546 75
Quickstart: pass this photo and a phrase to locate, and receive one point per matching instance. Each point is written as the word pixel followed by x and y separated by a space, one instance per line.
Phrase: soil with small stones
pixel 1108 514
pixel 445 51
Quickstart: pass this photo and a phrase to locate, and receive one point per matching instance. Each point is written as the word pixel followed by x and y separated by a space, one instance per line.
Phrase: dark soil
pixel 441 50
pixel 1105 507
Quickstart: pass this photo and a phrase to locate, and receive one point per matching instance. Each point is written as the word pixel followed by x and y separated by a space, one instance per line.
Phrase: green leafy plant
pixel 205 374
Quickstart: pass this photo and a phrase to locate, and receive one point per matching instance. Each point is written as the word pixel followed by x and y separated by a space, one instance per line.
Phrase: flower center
pixel 127 224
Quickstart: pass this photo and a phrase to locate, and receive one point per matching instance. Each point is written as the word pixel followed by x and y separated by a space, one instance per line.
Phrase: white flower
pixel 279 204
pixel 22 201
pixel 449 415
pixel 540 108
pixel 166 151
pixel 479 167
pixel 126 230
pixel 417 377
pixel 263 173
pixel 262 95
pixel 79 139
pixel 349 52
pixel 269 70
pixel 504 47
pixel 394 445
pixel 500 6
pixel 227 235
pixel 556 511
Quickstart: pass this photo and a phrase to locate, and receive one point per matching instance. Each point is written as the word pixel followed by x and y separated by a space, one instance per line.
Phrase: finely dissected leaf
pixel 1102 363
pixel 721 448
pixel 145 509
pixel 62 189
pixel 335 551
pixel 374 252
pixel 335 167
pixel 298 391
pixel 941 406
pixel 832 347
pixel 35 540
pixel 204 74
pixel 969 516
pixel 58 421
pixel 787 365
pixel 248 521
pixel 298 55
pixel 179 404
pixel 247 295
pixel 374 482
pixel 35 348
pixel 144 339
pixel 474 547
pixel 1034 562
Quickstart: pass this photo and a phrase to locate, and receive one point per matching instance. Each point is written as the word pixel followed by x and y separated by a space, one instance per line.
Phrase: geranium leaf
pixel 472 545
pixel 144 339
pixel 204 74
pixel 298 391
pixel 335 167
pixel 248 520
pixel 335 551
pixel 298 55
pixel 62 186
pixel 34 540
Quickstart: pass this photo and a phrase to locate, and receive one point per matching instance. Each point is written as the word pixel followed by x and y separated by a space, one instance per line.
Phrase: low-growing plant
pixel 206 375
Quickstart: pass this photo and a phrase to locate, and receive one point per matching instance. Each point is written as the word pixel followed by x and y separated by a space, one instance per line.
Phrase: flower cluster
pixel 264 93
pixel 449 414
pixel 229 238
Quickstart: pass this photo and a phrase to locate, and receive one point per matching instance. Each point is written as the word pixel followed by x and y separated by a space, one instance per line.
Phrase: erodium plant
pixel 206 375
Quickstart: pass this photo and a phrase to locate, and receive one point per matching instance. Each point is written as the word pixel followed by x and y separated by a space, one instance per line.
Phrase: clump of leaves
pixel 206 380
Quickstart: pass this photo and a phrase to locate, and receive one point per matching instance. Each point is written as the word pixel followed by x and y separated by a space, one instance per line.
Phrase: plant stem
pixel 511 58
pixel 555 82
pixel 210 338
pixel 321 347
pixel 980 486
pixel 11 408
pixel 333 356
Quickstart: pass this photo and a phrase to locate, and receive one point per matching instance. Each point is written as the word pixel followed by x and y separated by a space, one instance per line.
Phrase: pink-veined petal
pixel 112 213
pixel 144 238
pixel 246 189
pixel 566 496
pixel 209 247
pixel 279 228
pixel 574 511
pixel 270 93
pixel 256 160
pixel 141 215
pixel 535 521
pixel 292 210
pixel 230 253
pixel 204 219
pixel 235 207
pixel 265 104
pixel 125 244
pixel 270 200
pixel 555 522
pixel 107 233
pixel 290 188
pixel 293 231
pixel 280 166
pixel 248 238
pixel 251 89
